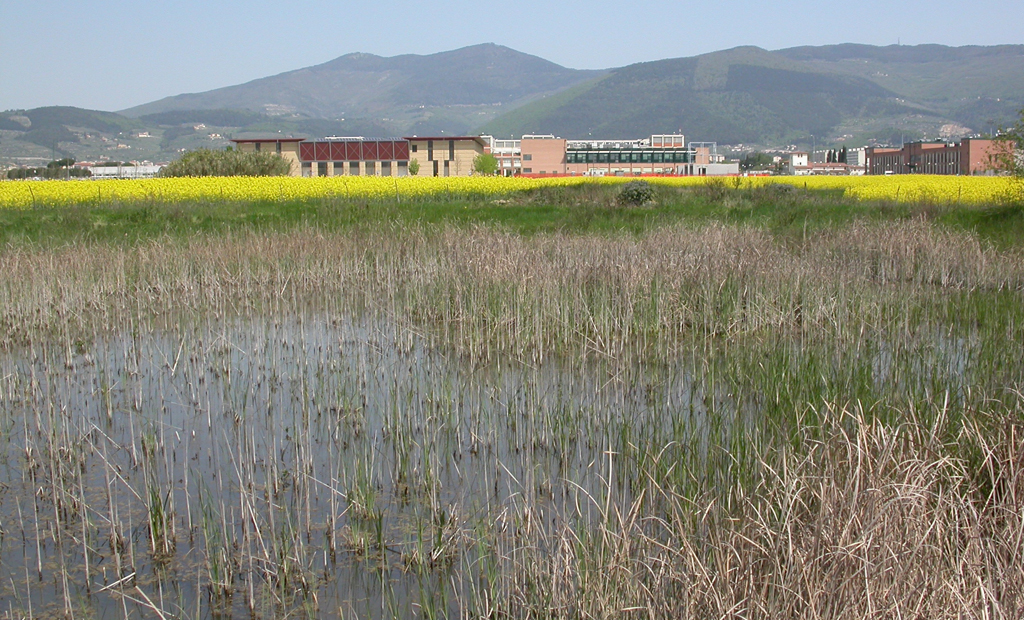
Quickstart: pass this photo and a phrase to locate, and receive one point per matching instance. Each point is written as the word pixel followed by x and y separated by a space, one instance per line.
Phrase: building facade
pixel 537 155
pixel 288 148
pixel 971 156
pixel 354 157
pixel 446 156
pixel 357 156
pixel 543 154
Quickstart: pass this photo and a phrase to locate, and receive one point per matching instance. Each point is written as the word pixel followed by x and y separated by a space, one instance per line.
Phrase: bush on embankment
pixel 210 163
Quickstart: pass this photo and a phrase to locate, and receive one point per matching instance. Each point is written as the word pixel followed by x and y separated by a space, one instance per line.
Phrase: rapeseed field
pixel 27 194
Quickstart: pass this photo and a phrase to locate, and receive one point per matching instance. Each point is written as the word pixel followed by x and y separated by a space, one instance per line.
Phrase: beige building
pixel 446 156
pixel 442 156
pixel 287 148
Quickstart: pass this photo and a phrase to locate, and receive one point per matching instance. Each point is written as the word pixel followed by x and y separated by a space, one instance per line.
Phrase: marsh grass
pixel 458 420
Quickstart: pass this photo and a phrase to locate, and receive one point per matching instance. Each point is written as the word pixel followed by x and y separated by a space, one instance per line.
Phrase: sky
pixel 113 54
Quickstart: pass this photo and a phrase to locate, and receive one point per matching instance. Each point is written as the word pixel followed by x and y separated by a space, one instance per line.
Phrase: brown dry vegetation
pixel 486 291
pixel 881 477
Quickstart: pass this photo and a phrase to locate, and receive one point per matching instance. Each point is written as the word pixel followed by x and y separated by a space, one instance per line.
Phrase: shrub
pixel 210 163
pixel 636 193
pixel 485 164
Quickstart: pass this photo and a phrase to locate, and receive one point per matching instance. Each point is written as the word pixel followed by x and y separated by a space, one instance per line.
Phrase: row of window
pixel 371 169
pixel 628 157
pixel 353 169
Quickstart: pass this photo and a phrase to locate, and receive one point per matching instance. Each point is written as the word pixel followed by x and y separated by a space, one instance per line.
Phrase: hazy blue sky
pixel 112 54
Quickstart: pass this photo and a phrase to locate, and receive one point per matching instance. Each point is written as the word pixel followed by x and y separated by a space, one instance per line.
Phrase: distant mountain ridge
pixel 829 95
pixel 445 91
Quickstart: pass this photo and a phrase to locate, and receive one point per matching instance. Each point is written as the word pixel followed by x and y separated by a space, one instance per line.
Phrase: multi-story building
pixel 532 155
pixel 509 154
pixel 288 148
pixel 358 156
pixel 446 156
pixel 543 154
pixel 354 156
pixel 659 154
pixel 970 156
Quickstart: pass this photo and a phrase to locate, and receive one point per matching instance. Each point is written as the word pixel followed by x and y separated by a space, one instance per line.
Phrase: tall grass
pixel 449 421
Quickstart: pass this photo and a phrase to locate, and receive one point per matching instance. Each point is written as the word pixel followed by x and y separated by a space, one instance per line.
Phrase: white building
pixel 797 163
pixel 125 172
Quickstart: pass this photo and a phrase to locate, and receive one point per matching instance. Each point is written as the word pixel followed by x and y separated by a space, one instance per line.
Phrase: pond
pixel 317 465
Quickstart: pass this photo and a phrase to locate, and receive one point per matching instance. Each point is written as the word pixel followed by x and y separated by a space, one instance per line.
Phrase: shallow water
pixel 309 465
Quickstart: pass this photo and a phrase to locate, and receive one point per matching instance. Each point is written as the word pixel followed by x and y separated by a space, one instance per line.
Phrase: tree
pixel 485 164
pixel 1009 149
pixel 756 161
pixel 210 163
pixel 414 167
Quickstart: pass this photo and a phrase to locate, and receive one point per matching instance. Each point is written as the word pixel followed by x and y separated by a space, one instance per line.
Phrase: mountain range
pixel 826 95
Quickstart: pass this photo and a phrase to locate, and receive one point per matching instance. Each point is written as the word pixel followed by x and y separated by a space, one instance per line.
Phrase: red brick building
pixel 970 156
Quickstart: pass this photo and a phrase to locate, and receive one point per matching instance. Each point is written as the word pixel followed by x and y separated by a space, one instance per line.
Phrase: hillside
pixel 452 91
pixel 839 94
pixel 845 93
pixel 40 135
pixel 978 87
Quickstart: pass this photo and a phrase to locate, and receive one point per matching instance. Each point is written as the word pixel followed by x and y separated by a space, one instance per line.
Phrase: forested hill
pixel 454 91
pixel 831 95
pixel 842 93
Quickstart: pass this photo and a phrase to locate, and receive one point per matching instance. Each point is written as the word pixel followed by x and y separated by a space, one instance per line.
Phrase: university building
pixel 539 155
pixel 970 156
pixel 444 156
pixel 440 156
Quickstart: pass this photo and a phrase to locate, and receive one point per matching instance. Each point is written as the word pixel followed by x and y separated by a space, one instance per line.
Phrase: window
pixel 353 168
pixel 446 168
pixel 430 154
pixel 321 169
pixel 435 168
pixel 403 168
pixel 385 168
pixel 278 147
pixel 451 151
pixel 371 168
pixel 339 168
pixel 527 157
pixel 258 145
pixel 527 170
pixel 307 169
pixel 414 149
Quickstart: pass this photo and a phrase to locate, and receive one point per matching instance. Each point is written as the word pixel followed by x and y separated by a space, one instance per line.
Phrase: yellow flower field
pixel 26 194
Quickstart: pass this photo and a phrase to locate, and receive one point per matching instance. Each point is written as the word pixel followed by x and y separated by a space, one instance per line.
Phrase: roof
pixel 476 139
pixel 279 139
